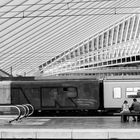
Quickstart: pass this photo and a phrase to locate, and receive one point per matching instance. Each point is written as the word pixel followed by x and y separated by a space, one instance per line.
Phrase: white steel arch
pixel 118 44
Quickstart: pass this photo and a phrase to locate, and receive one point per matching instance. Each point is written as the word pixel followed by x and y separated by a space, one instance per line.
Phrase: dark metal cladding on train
pixel 56 94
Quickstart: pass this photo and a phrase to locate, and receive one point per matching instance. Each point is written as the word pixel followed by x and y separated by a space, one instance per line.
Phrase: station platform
pixel 69 128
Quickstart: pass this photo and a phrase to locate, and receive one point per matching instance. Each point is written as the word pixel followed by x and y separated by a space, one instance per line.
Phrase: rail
pixel 31 109
pixel 24 110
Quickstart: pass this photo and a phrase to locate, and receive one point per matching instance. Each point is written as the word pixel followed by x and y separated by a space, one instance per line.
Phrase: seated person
pixel 125 107
pixel 135 108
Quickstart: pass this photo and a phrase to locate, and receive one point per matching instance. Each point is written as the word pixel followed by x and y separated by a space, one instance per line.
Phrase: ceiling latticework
pixel 34 31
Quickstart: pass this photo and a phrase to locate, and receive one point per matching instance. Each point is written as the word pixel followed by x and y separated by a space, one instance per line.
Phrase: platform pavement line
pixel 106 133
pixel 89 134
pixel 124 134
pixel 72 117
pixel 71 133
pixel 36 133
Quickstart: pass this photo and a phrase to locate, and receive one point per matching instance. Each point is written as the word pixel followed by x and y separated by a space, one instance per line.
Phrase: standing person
pixel 135 107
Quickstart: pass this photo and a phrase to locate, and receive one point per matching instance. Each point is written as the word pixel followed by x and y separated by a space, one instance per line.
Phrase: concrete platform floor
pixel 70 128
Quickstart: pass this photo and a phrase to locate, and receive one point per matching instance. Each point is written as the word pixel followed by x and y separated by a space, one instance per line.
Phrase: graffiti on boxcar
pixel 58 97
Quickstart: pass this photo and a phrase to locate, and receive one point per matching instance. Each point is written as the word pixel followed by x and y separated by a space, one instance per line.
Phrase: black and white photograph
pixel 70 69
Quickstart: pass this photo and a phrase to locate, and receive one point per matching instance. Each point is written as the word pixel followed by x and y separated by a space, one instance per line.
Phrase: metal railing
pixel 23 111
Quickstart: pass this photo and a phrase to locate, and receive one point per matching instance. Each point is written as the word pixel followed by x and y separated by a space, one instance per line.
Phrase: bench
pixel 124 116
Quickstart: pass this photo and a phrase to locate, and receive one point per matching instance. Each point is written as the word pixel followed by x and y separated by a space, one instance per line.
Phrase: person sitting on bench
pixel 135 108
pixel 125 107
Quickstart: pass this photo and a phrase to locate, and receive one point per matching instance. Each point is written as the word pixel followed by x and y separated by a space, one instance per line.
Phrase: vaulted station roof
pixel 34 31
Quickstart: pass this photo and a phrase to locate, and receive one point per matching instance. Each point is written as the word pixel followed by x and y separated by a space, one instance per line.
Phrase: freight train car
pixel 52 95
pixel 70 95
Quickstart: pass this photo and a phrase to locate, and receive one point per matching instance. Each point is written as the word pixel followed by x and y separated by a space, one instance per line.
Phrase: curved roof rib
pixel 37 33
pixel 117 44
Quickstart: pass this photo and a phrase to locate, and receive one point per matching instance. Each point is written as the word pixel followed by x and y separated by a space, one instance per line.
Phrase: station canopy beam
pixel 116 45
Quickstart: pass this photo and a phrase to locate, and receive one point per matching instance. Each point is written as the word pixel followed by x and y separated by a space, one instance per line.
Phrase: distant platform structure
pixel 99 73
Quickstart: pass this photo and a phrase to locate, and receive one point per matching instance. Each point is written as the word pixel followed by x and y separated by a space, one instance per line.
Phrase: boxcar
pixel 52 94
